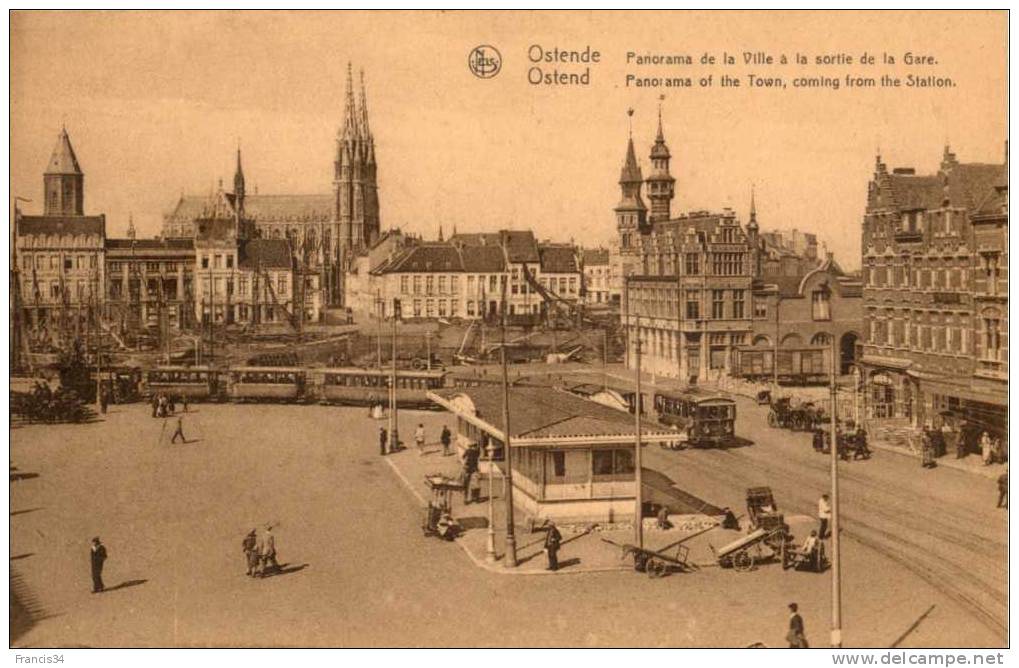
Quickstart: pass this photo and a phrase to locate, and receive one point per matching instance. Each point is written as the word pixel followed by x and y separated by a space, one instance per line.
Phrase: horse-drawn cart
pixel 655 563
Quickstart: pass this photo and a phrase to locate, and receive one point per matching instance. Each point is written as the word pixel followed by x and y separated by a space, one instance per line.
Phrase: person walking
pixel 267 551
pixel 104 400
pixel 926 449
pixel 383 439
pixel 470 468
pixel 250 548
pixel 98 556
pixel 1003 490
pixel 155 405
pixel 552 541
pixel 446 438
pixel 184 402
pixel 985 448
pixel 419 439
pixel 796 637
pixel 179 431
pixel 823 515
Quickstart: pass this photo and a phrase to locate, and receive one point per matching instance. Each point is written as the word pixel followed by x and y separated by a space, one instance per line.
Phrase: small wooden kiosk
pixel 573 459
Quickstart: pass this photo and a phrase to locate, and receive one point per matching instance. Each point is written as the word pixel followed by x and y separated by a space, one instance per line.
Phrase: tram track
pixel 875 517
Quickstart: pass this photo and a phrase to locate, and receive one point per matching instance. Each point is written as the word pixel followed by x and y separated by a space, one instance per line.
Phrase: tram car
pixel 710 418
pixel 798 366
pixel 122 384
pixel 264 383
pixel 197 383
pixel 361 387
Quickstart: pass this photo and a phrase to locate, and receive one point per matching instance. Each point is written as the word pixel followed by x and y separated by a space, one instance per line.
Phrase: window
pixel 821 304
pixel 152 267
pixel 68 263
pixel 429 308
pixel 217 261
pixel 493 283
pixel 417 308
pixel 242 285
pixel 205 261
pixel 470 284
pixel 442 285
pixel 991 271
pixel 454 284
pixel 230 261
pixel 992 339
pixel 442 308
pixel 470 308
pixel 417 285
pixel 760 310
pixel 693 264
pixel 611 463
pixel 573 284
pixel 429 285
pixel 405 285
pixel 281 284
pixel 229 287
pixel 717 304
pixel 693 306
pixel 558 464
pixel 738 303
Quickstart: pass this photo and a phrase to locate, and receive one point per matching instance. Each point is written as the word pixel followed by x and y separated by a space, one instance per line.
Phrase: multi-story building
pixel 687 297
pixel 60 254
pixel 326 231
pixel 597 275
pixel 935 259
pixel 794 320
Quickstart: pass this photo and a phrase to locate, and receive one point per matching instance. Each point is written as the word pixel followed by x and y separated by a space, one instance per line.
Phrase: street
pixel 358 572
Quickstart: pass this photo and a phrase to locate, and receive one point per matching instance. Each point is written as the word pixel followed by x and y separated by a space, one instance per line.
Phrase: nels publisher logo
pixel 484 61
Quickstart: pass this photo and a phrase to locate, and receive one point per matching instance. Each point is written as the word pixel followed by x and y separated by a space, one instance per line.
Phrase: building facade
pixel 60 256
pixel 597 276
pixel 935 291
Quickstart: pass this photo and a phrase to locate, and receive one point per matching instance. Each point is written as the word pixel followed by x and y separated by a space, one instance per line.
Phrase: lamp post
pixel 510 560
pixel 638 524
pixel 490 544
pixel 836 576
pixel 856 396
pixel 394 437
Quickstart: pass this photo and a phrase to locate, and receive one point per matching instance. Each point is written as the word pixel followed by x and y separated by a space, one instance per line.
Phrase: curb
pixel 497 566
pixel 985 472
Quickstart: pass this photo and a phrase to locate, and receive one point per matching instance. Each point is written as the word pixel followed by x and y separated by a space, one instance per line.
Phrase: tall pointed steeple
pixel 753 208
pixel 63 180
pixel 350 129
pixel 239 177
pixel 631 214
pixel 660 184
pixel 131 233
pixel 366 132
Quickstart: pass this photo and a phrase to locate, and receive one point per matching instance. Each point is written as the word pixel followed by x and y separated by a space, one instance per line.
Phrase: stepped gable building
pixel 60 254
pixel 686 280
pixel 326 231
pixel 935 291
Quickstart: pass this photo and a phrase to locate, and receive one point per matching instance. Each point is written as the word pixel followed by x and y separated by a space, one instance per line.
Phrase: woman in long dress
pixel 985 448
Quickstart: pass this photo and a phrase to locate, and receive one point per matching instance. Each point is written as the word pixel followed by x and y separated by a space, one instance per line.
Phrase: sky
pixel 156 104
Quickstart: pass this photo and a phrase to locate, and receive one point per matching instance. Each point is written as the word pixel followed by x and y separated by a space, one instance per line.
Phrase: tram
pixel 267 383
pixel 709 419
pixel 194 382
pixel 361 387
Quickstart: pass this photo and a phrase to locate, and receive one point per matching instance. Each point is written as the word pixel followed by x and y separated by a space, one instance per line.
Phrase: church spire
pixel 63 180
pixel 131 233
pixel 661 185
pixel 239 176
pixel 753 206
pixel 350 129
pixel 366 132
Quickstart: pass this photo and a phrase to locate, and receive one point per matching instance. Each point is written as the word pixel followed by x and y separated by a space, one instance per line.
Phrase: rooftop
pixel 60 225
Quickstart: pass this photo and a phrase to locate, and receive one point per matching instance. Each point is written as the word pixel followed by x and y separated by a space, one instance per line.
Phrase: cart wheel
pixel 743 562
pixel 659 568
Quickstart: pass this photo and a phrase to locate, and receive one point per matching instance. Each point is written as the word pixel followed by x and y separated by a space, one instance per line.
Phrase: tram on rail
pixel 708 418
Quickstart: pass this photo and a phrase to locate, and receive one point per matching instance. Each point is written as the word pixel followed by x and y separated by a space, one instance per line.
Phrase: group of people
pixel 935 442
pixel 852 442
pixel 260 553
pixel 164 405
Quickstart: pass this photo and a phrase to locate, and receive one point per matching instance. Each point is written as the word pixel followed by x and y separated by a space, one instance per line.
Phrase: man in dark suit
pixel 383 439
pixel 98 558
pixel 552 540
pixel 796 636
pixel 470 468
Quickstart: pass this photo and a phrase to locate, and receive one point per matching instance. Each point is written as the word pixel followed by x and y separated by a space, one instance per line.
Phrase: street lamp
pixel 490 545
pixel 836 576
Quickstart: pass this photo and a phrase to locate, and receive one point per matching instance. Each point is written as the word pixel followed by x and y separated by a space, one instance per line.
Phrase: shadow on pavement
pixel 125 585
pixel 286 569
pixel 22 512
pixel 26 555
pixel 15 477
pixel 468 523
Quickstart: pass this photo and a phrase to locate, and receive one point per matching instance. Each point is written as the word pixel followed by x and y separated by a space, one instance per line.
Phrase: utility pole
pixel 379 305
pixel 638 522
pixel 774 361
pixel 510 560
pixel 394 437
pixel 836 575
pixel 605 359
pixel 490 538
pixel 212 318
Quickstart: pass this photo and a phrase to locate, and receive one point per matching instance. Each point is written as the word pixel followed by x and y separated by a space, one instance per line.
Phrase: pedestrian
pixel 823 515
pixel 663 518
pixel 179 431
pixel 267 551
pixel 985 448
pixel 155 405
pixel 383 439
pixel 470 468
pixel 371 405
pixel 1003 490
pixel 926 450
pixel 162 405
pixel 419 439
pixel 184 402
pixel 249 546
pixel 446 438
pixel 98 555
pixel 796 637
pixel 818 440
pixel 552 541
pixel 170 405
pixel 104 401
pixel 950 437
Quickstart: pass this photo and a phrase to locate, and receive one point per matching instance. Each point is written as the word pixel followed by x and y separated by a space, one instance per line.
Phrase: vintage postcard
pixel 454 329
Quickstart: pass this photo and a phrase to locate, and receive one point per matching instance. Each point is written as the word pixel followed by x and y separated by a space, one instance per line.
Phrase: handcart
pixel 438 520
pixel 757 546
pixel 655 563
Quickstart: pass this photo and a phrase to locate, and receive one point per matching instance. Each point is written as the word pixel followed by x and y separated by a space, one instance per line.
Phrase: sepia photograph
pixel 510 329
